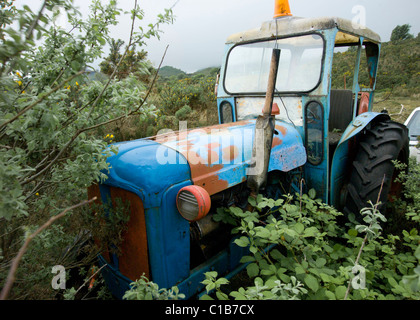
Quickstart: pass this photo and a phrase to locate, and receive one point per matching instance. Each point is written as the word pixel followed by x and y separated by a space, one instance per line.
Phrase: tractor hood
pixel 214 158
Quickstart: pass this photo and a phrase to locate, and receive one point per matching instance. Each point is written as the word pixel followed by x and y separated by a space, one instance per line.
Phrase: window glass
pixel 300 65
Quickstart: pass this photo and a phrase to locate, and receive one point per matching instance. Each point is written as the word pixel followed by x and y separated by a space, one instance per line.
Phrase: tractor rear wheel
pixel 384 142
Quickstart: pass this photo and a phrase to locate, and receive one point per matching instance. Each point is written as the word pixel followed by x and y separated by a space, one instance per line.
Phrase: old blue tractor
pixel 281 123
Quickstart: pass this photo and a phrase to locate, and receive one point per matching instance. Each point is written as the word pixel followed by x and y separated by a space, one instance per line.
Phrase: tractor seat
pixel 341 110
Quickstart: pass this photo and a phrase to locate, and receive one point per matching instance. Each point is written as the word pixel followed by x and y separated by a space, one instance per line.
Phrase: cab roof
pixel 349 32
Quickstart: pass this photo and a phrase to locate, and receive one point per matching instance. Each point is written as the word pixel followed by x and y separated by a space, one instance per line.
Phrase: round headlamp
pixel 193 203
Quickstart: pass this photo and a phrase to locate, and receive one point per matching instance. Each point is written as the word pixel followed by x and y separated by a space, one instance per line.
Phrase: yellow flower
pixel 111 136
pixel 37 194
pixel 19 82
pixel 77 83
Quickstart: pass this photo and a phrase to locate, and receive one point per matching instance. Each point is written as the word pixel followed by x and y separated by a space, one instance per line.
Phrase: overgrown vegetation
pixel 298 250
pixel 53 125
pixel 56 120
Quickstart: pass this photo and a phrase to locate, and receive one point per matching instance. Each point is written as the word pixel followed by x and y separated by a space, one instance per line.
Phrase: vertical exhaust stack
pixel 263 137
pixel 265 123
pixel 281 9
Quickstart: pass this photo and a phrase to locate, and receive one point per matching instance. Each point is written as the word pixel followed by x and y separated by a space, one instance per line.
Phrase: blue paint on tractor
pixel 156 168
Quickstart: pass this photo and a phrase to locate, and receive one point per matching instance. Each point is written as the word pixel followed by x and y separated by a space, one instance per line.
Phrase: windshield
pixel 300 65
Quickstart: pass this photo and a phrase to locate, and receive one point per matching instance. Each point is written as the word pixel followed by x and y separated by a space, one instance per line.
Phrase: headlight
pixel 193 202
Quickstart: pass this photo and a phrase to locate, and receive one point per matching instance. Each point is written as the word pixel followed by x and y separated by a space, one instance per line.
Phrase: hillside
pixel 399 67
pixel 168 71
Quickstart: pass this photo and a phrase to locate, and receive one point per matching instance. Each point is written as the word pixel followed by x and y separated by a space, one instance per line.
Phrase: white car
pixel 413 125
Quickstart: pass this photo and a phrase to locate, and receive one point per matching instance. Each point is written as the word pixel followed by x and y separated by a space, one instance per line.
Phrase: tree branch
pixel 74 137
pixel 12 272
pixel 42 98
pixel 365 239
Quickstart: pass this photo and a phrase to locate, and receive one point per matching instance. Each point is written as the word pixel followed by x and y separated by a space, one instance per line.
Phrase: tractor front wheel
pixel 373 173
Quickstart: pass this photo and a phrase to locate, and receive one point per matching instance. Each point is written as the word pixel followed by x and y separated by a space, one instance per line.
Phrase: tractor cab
pixel 307 94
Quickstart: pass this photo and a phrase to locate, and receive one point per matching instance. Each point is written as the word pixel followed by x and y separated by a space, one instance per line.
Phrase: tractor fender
pixel 340 162
pixel 359 123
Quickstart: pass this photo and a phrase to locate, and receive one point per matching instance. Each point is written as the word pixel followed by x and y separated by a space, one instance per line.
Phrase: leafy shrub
pixel 298 250
pixel 52 122
pixel 182 113
pixel 301 238
pixel 143 289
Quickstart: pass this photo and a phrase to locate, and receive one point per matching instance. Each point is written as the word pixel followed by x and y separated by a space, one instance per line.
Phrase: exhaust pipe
pixel 265 124
pixel 263 137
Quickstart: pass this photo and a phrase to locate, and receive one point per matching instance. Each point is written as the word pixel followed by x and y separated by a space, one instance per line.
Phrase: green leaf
pixel 352 233
pixel 417 253
pixel 210 287
pixel 311 282
pixel 237 295
pixel 299 227
pixel 252 201
pixel 222 281
pixel 242 242
pixel 222 296
pixel 325 277
pixel 310 232
pixel 340 292
pixel 246 259
pixel 276 254
pixel 236 211
pixel 299 270
pixel 330 295
pixel 312 193
pixel 320 262
pixel 252 270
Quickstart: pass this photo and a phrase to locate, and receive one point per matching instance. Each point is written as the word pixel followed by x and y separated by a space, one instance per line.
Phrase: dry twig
pixel 15 263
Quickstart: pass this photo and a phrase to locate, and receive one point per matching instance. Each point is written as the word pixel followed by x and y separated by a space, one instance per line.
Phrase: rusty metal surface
pixel 220 155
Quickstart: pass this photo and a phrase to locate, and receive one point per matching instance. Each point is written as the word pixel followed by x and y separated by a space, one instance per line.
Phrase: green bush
pixel 182 113
pixel 53 121
pixel 298 250
pixel 307 247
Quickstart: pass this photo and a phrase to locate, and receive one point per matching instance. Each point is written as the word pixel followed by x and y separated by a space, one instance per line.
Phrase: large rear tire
pixel 384 142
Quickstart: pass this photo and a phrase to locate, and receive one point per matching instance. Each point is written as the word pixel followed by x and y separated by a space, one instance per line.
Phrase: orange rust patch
pixel 282 129
pixel 134 259
pixel 213 145
pixel 230 153
pixel 213 156
pixel 204 174
pixel 276 142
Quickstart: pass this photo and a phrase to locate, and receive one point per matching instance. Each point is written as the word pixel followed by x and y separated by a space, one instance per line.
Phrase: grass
pixel 392 103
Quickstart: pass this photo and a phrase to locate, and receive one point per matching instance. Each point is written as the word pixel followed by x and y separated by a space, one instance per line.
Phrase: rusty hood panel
pixel 219 155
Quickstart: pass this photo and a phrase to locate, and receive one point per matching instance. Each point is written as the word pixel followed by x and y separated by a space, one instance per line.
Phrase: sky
pixel 196 38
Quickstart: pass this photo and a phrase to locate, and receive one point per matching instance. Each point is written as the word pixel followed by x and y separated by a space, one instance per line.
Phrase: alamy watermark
pixel 359 18
pixel 59 280
pixel 359 279
pixel 210 146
